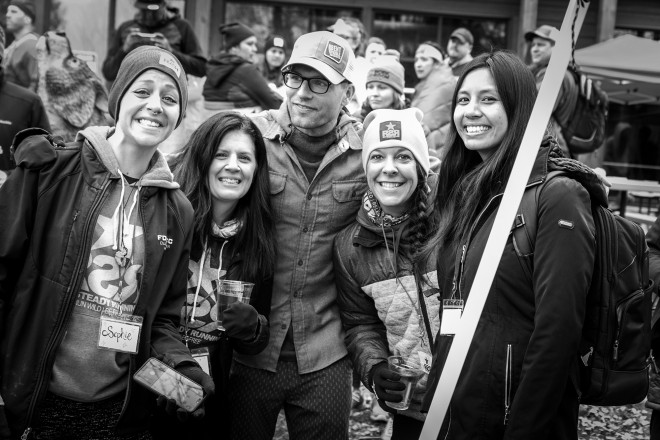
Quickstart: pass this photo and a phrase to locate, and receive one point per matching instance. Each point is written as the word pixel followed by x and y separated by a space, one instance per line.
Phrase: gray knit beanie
pixel 138 61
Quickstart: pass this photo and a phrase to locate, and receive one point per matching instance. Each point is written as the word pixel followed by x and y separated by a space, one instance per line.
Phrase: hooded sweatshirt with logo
pixel 56 262
pixel 82 371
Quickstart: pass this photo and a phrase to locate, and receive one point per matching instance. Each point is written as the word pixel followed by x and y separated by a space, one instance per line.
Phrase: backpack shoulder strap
pixel 525 224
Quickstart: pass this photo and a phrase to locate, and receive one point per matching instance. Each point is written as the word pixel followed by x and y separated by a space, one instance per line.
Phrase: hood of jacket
pixel 551 158
pixel 157 175
pixel 221 66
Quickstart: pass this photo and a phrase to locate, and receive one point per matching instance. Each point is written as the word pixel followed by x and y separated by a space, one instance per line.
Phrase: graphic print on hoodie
pixel 82 371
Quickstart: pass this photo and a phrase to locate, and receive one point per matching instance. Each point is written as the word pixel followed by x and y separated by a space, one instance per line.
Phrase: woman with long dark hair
pixel 223 171
pixel 520 378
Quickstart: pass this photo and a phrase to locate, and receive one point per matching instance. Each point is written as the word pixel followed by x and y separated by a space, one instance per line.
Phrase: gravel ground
pixel 629 422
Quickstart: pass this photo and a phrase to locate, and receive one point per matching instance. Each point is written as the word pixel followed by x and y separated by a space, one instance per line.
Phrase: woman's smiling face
pixel 479 116
pixel 149 110
pixel 392 177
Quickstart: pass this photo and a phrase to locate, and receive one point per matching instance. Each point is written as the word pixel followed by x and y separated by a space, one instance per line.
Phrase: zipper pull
pixel 506 415
pixel 651 361
pixel 26 433
pixel 463 252
pixel 615 354
pixel 75 216
pixel 587 357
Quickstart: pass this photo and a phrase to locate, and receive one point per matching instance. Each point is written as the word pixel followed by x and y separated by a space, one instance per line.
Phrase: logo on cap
pixel 334 51
pixel 168 60
pixel 382 74
pixel 278 42
pixel 390 130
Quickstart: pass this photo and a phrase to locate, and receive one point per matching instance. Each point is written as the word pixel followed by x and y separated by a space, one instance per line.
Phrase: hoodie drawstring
pixel 123 253
pixel 202 260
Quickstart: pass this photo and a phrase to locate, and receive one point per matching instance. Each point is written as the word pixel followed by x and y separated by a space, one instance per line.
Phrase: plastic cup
pixel 229 292
pixel 411 372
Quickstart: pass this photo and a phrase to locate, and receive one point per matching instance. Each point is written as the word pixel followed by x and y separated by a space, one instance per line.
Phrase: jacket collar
pixel 279 128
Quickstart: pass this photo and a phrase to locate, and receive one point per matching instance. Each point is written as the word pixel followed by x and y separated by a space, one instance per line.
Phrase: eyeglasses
pixel 316 85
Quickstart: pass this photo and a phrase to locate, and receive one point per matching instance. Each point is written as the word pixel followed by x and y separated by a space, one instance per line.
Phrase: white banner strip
pixel 515 187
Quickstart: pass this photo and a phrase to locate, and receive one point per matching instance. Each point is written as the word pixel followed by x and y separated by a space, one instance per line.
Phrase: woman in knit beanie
pixel 233 81
pixel 385 83
pixel 113 238
pixel 274 58
pixel 381 303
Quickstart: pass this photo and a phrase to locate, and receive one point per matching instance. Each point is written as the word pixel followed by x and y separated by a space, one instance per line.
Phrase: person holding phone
pixel 381 303
pixel 223 169
pixel 156 24
pixel 93 263
pixel 520 378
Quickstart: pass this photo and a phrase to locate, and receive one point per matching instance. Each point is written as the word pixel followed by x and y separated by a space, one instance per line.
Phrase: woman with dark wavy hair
pixel 520 378
pixel 223 171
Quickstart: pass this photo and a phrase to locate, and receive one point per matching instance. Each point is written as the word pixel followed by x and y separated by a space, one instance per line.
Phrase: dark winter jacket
pixel 54 197
pixel 178 32
pixel 234 80
pixel 19 109
pixel 379 315
pixel 530 321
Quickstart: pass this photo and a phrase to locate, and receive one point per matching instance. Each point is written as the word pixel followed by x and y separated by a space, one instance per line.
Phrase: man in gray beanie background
pixel 20 61
pixel 317 182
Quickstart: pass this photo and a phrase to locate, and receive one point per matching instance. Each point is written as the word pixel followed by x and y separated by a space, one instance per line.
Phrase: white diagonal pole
pixel 513 192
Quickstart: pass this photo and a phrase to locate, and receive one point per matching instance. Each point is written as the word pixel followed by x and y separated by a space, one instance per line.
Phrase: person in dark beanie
pixel 156 24
pixel 19 109
pixel 274 57
pixel 20 60
pixel 96 249
pixel 233 81
pixel 385 82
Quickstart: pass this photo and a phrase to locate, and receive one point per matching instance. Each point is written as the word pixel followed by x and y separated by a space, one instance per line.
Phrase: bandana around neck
pixel 228 229
pixel 376 214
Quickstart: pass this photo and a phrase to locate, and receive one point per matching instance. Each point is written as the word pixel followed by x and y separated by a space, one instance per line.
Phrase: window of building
pixel 289 21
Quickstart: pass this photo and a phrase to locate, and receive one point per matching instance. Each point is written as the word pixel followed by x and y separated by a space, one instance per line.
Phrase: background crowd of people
pixel 359 213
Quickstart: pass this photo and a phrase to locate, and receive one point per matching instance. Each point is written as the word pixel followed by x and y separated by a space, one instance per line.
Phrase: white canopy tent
pixel 627 66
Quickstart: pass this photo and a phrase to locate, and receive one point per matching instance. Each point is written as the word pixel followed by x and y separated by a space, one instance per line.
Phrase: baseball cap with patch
pixel 326 52
pixel 546 32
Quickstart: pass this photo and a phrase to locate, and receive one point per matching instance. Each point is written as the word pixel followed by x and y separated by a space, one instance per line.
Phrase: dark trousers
pixel 655 425
pixel 316 405
pixel 64 419
pixel 405 428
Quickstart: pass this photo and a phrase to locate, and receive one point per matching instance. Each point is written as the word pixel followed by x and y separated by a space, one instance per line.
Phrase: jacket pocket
pixel 277 184
pixel 346 197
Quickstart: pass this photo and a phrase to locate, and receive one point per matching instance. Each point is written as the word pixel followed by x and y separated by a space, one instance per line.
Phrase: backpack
pixel 616 336
pixel 584 129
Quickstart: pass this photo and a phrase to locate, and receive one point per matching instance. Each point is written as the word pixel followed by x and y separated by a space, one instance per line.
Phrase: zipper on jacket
pixel 26 433
pixel 507 383
pixel 456 287
pixel 131 358
pixel 69 301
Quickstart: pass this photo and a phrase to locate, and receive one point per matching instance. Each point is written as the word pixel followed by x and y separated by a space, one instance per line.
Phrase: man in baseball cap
pixel 317 182
pixel 459 49
pixel 542 41
pixel 325 52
